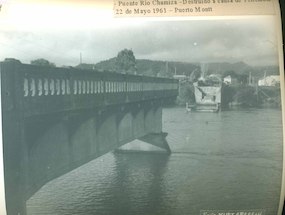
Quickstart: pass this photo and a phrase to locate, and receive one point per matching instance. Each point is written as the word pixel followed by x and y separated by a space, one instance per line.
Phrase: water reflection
pixel 137 186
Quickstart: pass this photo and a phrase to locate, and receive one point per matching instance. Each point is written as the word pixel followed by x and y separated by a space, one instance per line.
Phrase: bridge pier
pixel 157 139
pixel 147 127
pixel 14 168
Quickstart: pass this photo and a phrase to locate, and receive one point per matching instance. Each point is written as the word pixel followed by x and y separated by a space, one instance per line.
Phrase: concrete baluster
pixel 83 87
pixel 79 87
pixel 75 87
pixel 52 87
pixel 57 87
pixel 46 87
pixel 26 87
pixel 40 87
pixel 67 87
pixel 91 87
pixel 87 87
pixel 63 87
pixel 33 87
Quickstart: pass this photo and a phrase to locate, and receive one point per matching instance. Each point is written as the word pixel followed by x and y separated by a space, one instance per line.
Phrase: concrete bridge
pixel 57 119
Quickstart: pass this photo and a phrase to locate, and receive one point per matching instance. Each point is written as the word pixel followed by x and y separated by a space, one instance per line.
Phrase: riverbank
pixel 236 95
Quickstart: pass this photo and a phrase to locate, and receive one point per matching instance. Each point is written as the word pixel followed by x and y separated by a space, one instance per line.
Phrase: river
pixel 230 160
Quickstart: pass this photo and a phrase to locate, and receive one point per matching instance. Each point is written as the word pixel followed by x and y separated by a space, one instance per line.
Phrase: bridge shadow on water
pixel 138 187
pixel 116 183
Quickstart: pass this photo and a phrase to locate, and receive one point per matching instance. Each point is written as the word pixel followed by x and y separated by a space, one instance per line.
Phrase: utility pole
pixel 248 79
pixel 166 67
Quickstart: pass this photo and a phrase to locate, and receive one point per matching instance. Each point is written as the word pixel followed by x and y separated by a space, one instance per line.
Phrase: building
pixel 180 77
pixel 229 80
pixel 271 80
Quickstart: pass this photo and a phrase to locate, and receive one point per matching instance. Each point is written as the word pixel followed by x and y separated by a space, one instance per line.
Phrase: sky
pixel 60 33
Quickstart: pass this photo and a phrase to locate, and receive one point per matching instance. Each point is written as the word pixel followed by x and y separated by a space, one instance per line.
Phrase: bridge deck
pixel 41 90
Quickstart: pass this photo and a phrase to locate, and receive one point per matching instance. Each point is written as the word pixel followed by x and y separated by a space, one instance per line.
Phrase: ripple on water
pixel 230 160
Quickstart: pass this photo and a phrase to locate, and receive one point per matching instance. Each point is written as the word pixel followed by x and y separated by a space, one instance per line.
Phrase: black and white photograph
pixel 138 116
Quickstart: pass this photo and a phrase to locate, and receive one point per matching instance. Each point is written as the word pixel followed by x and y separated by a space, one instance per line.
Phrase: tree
pixel 42 62
pixel 246 96
pixel 14 60
pixel 243 77
pixel 232 73
pixel 126 62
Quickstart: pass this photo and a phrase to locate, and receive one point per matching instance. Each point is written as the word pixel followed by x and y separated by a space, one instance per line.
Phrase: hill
pixel 169 68
pixel 242 68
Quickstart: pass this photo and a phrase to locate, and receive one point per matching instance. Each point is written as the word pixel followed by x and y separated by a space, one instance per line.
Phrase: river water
pixel 220 161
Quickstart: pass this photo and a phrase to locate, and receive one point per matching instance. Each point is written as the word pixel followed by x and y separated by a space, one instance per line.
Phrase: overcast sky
pixel 252 40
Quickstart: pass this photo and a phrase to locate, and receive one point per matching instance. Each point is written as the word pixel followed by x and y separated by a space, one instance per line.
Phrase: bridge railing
pixel 40 90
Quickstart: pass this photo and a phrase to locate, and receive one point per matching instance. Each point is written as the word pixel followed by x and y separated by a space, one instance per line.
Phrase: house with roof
pixel 272 80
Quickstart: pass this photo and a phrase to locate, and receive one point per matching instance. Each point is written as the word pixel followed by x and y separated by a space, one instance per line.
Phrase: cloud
pixel 252 40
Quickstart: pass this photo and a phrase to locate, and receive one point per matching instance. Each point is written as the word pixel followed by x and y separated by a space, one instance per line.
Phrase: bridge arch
pixel 125 128
pixel 107 133
pixel 138 123
pixel 83 141
pixel 48 157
